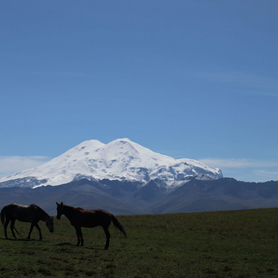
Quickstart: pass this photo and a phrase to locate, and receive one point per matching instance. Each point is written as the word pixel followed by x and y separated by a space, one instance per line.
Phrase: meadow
pixel 216 244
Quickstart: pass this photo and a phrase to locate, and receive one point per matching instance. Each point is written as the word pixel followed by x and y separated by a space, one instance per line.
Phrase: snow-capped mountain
pixel 120 159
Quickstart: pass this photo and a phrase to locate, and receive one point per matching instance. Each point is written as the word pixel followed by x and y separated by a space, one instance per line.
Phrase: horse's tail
pixel 118 225
pixel 3 215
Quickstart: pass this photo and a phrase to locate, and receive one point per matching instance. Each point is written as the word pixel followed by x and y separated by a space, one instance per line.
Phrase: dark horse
pixel 32 214
pixel 79 217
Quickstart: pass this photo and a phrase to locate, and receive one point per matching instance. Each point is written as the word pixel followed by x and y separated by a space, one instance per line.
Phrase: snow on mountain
pixel 120 159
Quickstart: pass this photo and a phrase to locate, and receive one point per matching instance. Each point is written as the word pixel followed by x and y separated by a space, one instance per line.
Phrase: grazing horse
pixel 32 214
pixel 79 217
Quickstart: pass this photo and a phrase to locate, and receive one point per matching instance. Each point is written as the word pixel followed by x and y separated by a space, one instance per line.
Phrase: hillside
pixel 131 198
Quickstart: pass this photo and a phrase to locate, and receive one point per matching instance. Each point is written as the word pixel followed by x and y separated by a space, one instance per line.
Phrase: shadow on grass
pixel 23 239
pixel 65 244
pixel 61 244
pixel 95 248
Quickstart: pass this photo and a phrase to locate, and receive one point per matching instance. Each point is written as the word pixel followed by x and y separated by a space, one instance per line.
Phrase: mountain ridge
pixel 125 197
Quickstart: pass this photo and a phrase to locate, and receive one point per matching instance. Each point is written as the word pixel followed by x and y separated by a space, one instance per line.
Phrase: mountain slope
pixel 221 194
pixel 123 197
pixel 120 159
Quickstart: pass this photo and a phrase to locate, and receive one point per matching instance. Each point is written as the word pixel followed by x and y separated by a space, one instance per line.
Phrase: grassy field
pixel 222 244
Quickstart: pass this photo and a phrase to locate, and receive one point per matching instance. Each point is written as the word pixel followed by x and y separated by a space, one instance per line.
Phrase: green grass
pixel 220 244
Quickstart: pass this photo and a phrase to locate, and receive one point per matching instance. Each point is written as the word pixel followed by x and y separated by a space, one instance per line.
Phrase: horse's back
pixel 101 212
pixel 93 212
pixel 92 218
pixel 19 212
pixel 9 208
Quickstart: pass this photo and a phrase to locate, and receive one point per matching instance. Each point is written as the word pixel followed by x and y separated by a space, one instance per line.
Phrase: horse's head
pixel 60 210
pixel 50 224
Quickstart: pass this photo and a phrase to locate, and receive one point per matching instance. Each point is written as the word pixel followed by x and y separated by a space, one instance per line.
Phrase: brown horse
pixel 79 217
pixel 32 214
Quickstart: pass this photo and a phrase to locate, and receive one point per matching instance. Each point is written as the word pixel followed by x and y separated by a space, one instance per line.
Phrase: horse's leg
pixel 107 234
pixel 39 229
pixel 31 229
pixel 81 237
pixel 77 235
pixel 5 227
pixel 12 227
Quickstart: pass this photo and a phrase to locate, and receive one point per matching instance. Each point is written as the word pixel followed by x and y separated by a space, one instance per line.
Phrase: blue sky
pixel 195 79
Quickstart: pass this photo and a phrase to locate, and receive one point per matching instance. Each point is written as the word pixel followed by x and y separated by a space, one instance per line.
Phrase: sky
pixel 189 79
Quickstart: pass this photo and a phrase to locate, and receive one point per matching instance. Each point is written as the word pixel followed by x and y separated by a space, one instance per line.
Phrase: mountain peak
pixel 91 142
pixel 123 140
